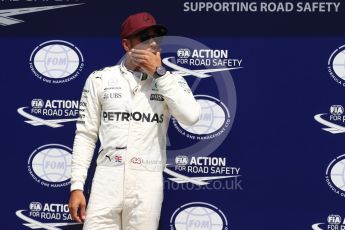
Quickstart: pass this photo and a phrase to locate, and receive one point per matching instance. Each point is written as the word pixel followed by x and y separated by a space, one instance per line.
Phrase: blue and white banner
pixel 267 151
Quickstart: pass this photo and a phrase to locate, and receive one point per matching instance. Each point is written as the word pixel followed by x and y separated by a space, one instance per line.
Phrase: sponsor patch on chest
pixel 156 97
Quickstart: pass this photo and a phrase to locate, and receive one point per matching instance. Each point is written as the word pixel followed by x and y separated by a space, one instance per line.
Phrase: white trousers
pixel 124 199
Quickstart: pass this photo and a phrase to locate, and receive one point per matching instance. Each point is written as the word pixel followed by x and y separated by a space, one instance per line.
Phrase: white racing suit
pixel 130 115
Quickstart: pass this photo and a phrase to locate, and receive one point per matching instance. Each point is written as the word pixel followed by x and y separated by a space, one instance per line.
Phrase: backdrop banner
pixel 268 150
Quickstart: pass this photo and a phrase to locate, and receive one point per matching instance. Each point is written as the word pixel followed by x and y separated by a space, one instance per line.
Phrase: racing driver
pixel 128 107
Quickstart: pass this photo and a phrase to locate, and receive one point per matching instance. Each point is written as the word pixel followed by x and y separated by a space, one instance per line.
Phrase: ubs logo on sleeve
pixel 156 97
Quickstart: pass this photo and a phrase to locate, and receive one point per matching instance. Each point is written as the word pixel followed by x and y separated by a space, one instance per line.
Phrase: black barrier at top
pixel 187 18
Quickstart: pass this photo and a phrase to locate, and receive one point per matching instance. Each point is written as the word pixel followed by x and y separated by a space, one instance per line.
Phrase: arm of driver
pixel 77 206
pixel 179 98
pixel 86 133
pixel 177 94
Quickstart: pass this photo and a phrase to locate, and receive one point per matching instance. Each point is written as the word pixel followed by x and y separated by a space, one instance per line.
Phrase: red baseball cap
pixel 138 22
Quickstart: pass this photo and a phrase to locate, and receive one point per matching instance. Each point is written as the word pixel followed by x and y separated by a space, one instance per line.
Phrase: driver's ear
pixel 126 45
